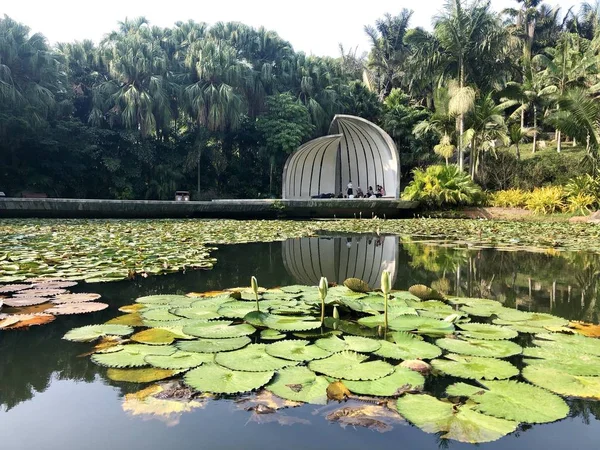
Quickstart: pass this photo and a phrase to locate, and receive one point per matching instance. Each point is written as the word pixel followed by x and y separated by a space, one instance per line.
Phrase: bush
pixel 511 198
pixel 585 185
pixel 439 186
pixel 581 203
pixel 547 200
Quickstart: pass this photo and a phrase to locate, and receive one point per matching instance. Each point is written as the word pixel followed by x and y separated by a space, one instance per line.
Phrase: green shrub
pixel 439 186
pixel 547 200
pixel 584 185
pixel 511 198
pixel 581 203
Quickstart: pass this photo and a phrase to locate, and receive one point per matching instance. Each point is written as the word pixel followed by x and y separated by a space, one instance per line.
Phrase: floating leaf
pixel 22 302
pixel 214 345
pixel 459 423
pixel 41 292
pixel 586 329
pixel 479 347
pixel 75 298
pixel 416 365
pixel 179 360
pixel 572 363
pixel 422 325
pixel 271 335
pixel 563 343
pixel 154 336
pixel 136 307
pixel 77 308
pixel 219 330
pixel 139 375
pixel 171 300
pixel 563 383
pixel 17 321
pixel 407 346
pixel 356 285
pixel 159 315
pixel 220 380
pixel 285 323
pixel 133 320
pixel 10 288
pixel 92 332
pixel 512 400
pixel 236 310
pixel 132 355
pixel 389 385
pixel 300 384
pixel 425 293
pixel 531 319
pixel 474 367
pixel 252 358
pixel 486 331
pixel 351 366
pixel 296 350
pixel 359 344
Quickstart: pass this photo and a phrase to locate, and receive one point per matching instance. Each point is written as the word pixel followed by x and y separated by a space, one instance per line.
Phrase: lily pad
pixel 131 355
pixel 486 331
pixel 480 347
pixel 458 423
pixel 179 360
pixel 351 366
pixel 474 367
pixel 92 332
pixel 22 302
pixel 296 350
pixel 359 344
pixel 154 336
pixel 300 384
pixel 219 330
pixel 271 335
pixel 422 325
pixel 407 346
pixel 389 385
pixel 214 345
pixel 76 308
pixel 563 383
pixel 75 298
pixel 512 400
pixel 139 375
pixel 252 358
pixel 133 320
pixel 220 380
pixel 172 300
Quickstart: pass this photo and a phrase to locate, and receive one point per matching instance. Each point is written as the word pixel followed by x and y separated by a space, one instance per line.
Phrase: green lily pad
pixel 573 363
pixel 220 380
pixel 458 423
pixel 486 331
pixel 285 323
pixel 474 367
pixel 387 386
pixel 92 332
pixel 179 360
pixel 197 313
pixel 564 343
pixel 219 330
pixel 159 315
pixel 563 383
pixel 146 375
pixel 351 366
pixel 271 335
pixel 171 300
pixel 480 347
pixel 296 350
pixel 300 384
pixel 155 336
pixel 252 358
pixel 408 346
pixel 236 310
pixel 512 400
pixel 131 355
pixel 213 345
pixel 359 344
pixel 422 325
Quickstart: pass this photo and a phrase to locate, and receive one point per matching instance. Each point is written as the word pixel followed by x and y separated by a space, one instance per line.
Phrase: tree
pixel 284 126
pixel 516 136
pixel 356 99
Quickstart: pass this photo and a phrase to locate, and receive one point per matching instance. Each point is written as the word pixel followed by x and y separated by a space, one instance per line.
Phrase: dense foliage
pixel 216 109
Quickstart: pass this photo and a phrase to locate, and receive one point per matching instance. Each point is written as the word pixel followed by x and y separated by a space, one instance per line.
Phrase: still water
pixel 52 399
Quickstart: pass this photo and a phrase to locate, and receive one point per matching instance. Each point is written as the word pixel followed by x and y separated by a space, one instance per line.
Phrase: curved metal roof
pixel 356 150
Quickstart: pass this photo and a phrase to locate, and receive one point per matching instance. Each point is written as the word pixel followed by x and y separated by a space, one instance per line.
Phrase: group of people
pixel 378 193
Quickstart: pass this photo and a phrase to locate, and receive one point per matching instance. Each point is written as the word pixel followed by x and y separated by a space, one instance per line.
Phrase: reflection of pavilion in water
pixel 339 258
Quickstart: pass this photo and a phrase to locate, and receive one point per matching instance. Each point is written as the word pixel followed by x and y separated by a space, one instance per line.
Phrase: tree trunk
pixel 558 141
pixel 199 170
pixel 518 151
pixel 473 157
pixel 271 169
pixel 461 155
pixel 534 129
pixel 447 162
pixel 522 116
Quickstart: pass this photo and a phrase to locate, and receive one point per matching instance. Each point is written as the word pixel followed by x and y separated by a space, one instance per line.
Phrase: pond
pixel 53 398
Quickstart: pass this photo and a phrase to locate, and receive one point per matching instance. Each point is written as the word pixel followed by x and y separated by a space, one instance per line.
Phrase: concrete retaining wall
pixel 235 209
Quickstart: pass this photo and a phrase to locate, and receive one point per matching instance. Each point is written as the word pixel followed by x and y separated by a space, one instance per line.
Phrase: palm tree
pixel 516 136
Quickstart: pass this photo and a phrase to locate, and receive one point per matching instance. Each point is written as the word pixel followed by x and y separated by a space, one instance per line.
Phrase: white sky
pixel 312 26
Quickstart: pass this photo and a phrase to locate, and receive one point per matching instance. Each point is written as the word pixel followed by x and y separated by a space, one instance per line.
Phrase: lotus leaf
pixel 252 358
pixel 564 343
pixel 42 292
pixel 131 355
pixel 338 326
pixel 235 310
pixel 154 336
pixel 296 350
pixel 171 300
pixel 136 307
pixel 16 321
pixel 139 375
pixel 474 367
pixel 22 302
pixel 374 417
pixel 219 330
pixel 351 366
pixel 54 284
pixel 479 347
pixel 486 331
pixel 179 360
pixel 425 293
pixel 389 385
pixel 92 332
pixel 586 329
pixel 299 384
pixel 459 423
pixel 529 319
pixel 573 363
pixel 283 323
pixel 404 295
pixel 334 344
pixel 356 285
pixel 512 400
pixel 407 346
pixel 76 308
pixel 159 315
pixel 9 288
pixel 299 289
pixel 214 345
pixel 563 383
pixel 195 313
pixel 220 380
pixel 133 320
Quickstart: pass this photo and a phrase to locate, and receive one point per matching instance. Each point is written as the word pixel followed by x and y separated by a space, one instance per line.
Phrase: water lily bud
pixel 385 282
pixel 323 284
pixel 336 313
pixel 254 285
